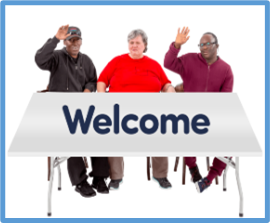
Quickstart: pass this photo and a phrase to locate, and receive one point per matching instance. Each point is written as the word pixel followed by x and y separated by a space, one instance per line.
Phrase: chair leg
pixel 49 167
pixel 50 187
pixel 59 177
pixel 148 168
pixel 85 162
pixel 176 163
pixel 216 180
pixel 207 163
pixel 208 168
pixel 184 172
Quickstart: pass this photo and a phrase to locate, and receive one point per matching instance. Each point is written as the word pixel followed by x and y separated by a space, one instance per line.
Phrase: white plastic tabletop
pixel 44 130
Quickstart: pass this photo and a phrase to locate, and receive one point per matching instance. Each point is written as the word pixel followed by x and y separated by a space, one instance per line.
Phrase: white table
pixel 44 130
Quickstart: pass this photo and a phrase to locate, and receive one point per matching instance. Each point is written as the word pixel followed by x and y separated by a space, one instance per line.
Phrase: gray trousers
pixel 159 166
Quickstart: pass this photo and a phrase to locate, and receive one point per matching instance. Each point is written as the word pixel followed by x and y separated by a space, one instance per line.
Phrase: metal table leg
pixel 50 187
pixel 225 178
pixel 241 214
pixel 235 165
pixel 59 177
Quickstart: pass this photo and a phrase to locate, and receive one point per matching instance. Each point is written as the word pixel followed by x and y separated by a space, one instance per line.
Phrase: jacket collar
pixel 204 61
pixel 66 52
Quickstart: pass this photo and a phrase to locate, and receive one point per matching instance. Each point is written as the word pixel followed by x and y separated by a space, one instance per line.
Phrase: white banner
pixel 135 124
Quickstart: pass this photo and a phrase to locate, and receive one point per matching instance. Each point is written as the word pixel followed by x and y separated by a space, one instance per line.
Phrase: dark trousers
pixel 77 170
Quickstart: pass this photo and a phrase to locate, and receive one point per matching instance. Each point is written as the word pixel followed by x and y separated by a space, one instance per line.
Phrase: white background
pixel 240 32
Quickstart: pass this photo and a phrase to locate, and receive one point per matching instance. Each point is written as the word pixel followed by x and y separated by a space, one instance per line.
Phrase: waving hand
pixel 182 37
pixel 62 33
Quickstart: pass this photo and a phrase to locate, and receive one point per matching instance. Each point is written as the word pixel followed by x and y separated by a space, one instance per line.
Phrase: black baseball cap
pixel 75 32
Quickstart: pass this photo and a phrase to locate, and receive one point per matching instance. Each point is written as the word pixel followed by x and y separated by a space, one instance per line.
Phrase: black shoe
pixel 195 174
pixel 85 189
pixel 163 182
pixel 114 184
pixel 99 184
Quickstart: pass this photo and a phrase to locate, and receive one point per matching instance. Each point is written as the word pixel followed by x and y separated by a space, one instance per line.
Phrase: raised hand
pixel 181 37
pixel 62 33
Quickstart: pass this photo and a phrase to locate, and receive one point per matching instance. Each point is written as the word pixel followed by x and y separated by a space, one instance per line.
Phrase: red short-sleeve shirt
pixel 124 74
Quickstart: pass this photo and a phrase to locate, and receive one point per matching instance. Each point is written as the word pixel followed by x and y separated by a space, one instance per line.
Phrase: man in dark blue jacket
pixel 72 71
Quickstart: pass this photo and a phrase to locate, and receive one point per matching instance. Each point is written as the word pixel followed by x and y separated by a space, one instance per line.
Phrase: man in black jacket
pixel 72 71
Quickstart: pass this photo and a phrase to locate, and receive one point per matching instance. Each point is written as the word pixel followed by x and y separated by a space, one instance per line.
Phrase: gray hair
pixel 138 32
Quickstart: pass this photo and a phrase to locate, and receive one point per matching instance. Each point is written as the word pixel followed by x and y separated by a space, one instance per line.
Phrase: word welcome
pixel 103 120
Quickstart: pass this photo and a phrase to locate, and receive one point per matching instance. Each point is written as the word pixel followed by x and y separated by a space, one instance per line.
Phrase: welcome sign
pixel 135 124
pixel 97 122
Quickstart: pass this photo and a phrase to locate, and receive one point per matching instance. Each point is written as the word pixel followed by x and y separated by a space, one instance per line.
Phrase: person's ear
pixel 145 48
pixel 217 48
pixel 65 42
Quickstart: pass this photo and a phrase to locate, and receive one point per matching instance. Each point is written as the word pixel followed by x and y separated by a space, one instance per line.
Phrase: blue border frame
pixel 2 105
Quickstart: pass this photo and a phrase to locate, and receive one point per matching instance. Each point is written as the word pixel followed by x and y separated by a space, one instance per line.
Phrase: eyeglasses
pixel 205 44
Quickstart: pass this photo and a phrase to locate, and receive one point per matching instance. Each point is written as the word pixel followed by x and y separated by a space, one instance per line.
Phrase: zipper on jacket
pixel 76 71
pixel 67 73
pixel 207 78
pixel 76 67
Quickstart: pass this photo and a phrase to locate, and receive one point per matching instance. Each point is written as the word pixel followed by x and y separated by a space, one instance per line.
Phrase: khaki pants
pixel 159 166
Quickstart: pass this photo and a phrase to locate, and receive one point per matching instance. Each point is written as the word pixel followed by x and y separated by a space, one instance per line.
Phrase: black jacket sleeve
pixel 91 76
pixel 46 58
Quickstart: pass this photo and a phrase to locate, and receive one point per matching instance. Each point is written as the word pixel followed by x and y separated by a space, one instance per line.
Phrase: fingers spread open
pixel 183 30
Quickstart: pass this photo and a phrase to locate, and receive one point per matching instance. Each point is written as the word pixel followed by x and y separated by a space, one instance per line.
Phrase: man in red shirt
pixel 203 72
